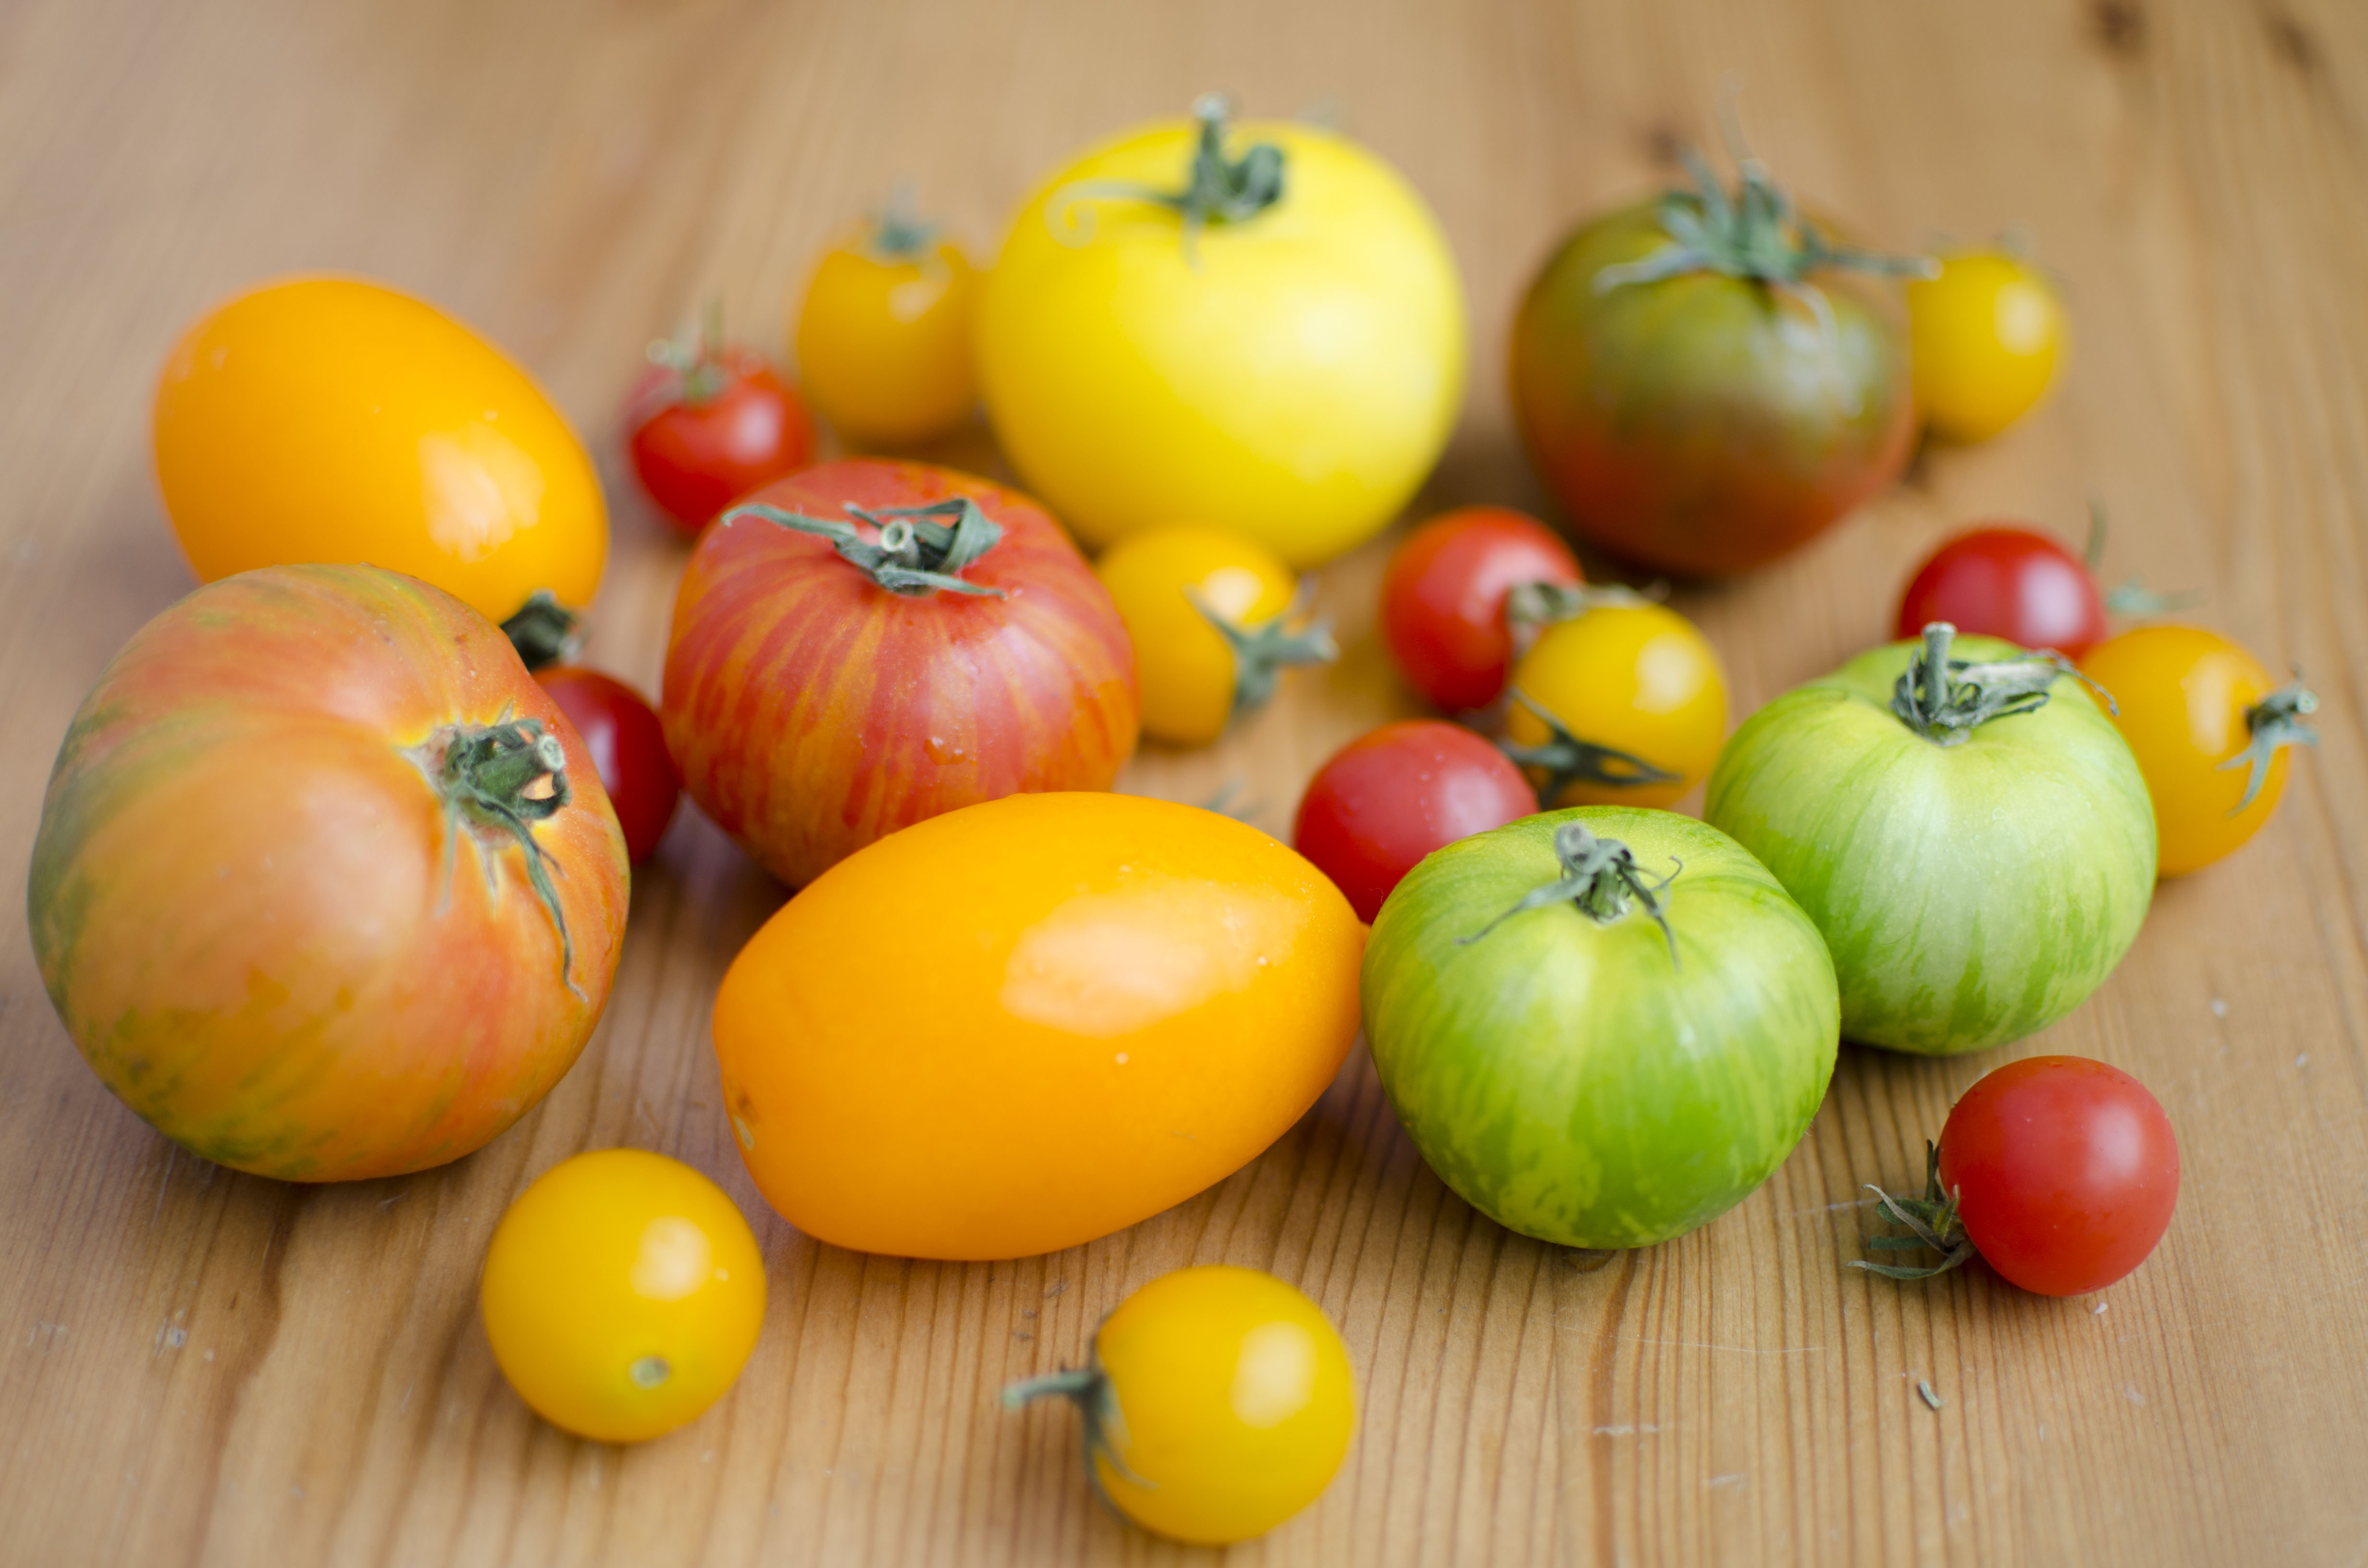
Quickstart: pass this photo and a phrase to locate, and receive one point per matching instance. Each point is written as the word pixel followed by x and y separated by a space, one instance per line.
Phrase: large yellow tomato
pixel 328 419
pixel 1984 337
pixel 1279 353
pixel 883 334
pixel 1025 1023
pixel 1637 681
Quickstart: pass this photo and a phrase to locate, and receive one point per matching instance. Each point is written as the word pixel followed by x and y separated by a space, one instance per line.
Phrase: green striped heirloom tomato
pixel 1971 835
pixel 1602 1027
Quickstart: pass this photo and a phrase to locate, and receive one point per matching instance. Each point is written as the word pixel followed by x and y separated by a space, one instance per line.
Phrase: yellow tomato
pixel 1983 340
pixel 1636 680
pixel 1205 611
pixel 328 419
pixel 2209 733
pixel 883 335
pixel 623 1292
pixel 1219 1403
pixel 1026 1024
pixel 1289 373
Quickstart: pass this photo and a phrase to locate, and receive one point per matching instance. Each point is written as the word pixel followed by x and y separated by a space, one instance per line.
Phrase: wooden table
pixel 201 1367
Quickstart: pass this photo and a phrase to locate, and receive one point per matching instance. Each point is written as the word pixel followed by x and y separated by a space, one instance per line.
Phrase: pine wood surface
pixel 204 1368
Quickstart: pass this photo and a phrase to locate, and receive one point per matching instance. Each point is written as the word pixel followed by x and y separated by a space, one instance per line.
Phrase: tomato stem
pixel 1945 700
pixel 1261 652
pixel 1088 1387
pixel 2274 721
pixel 1217 189
pixel 483 774
pixel 919 550
pixel 1530 607
pixel 899 232
pixel 696 357
pixel 1568 760
pixel 1600 877
pixel 2133 599
pixel 1933 1221
pixel 545 631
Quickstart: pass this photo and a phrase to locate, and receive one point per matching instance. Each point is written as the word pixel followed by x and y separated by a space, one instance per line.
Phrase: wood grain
pixel 198 1367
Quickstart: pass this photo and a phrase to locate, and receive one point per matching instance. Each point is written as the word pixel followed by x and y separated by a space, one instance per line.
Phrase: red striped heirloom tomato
pixel 875 642
pixel 324 888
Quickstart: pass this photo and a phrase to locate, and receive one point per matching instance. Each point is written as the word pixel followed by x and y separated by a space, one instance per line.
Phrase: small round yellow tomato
pixel 329 419
pixel 1635 680
pixel 623 1292
pixel 883 334
pixel 1984 338
pixel 1219 1403
pixel 1205 611
pixel 2209 733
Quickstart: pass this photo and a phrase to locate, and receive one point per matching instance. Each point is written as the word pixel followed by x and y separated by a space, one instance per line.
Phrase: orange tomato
pixel 1022 1025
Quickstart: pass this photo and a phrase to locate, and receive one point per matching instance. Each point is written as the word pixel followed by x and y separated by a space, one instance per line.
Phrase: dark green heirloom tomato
pixel 1978 854
pixel 1702 382
pixel 1602 1027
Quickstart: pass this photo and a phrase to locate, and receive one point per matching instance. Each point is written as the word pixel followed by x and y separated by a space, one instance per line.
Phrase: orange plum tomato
pixel 627 743
pixel 1389 798
pixel 884 332
pixel 622 1294
pixel 329 419
pixel 1016 1027
pixel 709 422
pixel 325 888
pixel 1444 597
pixel 1622 706
pixel 869 643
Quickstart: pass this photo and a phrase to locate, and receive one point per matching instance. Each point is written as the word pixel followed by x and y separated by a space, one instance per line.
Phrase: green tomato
pixel 1617 1060
pixel 1974 883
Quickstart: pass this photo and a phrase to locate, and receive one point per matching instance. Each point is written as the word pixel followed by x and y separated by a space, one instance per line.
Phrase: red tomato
pixel 1443 601
pixel 2004 581
pixel 813 710
pixel 707 432
pixel 2067 1172
pixel 628 748
pixel 324 888
pixel 1387 798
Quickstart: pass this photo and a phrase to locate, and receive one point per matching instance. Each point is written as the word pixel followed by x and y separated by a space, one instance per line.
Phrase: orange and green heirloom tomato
pixel 1622 706
pixel 1023 1025
pixel 2209 728
pixel 326 886
pixel 883 334
pixel 622 1294
pixel 331 419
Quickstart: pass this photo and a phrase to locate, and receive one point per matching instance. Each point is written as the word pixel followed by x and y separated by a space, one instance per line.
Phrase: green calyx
pixel 1263 652
pixel 899 233
pixel 696 359
pixel 1602 878
pixel 1945 700
pixel 1216 189
pixel 545 631
pixel 1530 607
pixel 2275 720
pixel 919 550
pixel 1568 760
pixel 1088 1387
pixel 485 775
pixel 1933 1221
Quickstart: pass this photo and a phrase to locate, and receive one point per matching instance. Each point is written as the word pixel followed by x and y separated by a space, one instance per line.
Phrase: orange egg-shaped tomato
pixel 815 704
pixel 1019 1027
pixel 326 886
pixel 332 419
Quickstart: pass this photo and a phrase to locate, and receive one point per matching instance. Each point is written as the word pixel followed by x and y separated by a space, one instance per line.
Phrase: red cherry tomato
pixel 1387 798
pixel 1443 599
pixel 708 431
pixel 2008 582
pixel 628 748
pixel 2067 1172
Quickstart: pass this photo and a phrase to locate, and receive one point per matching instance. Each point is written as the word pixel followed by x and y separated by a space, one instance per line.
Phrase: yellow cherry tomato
pixel 2209 728
pixel 1984 338
pixel 883 334
pixel 623 1292
pixel 1285 357
pixel 1219 1403
pixel 1205 611
pixel 1636 703
pixel 329 419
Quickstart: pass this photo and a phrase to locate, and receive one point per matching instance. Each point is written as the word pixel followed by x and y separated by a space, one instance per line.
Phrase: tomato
pixel 1704 385
pixel 1219 1402
pixel 324 888
pixel 1637 705
pixel 2060 1172
pixel 2011 582
pixel 1985 335
pixel 2209 733
pixel 812 707
pixel 1443 599
pixel 331 419
pixel 627 744
pixel 622 1294
pixel 884 332
pixel 1602 1027
pixel 1209 616
pixel 1015 1027
pixel 1391 797
pixel 1973 840
pixel 1259 328
pixel 708 422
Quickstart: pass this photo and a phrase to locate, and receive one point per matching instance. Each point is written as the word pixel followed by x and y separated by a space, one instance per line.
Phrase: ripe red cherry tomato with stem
pixel 628 747
pixel 2004 581
pixel 1443 599
pixel 711 422
pixel 1387 798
